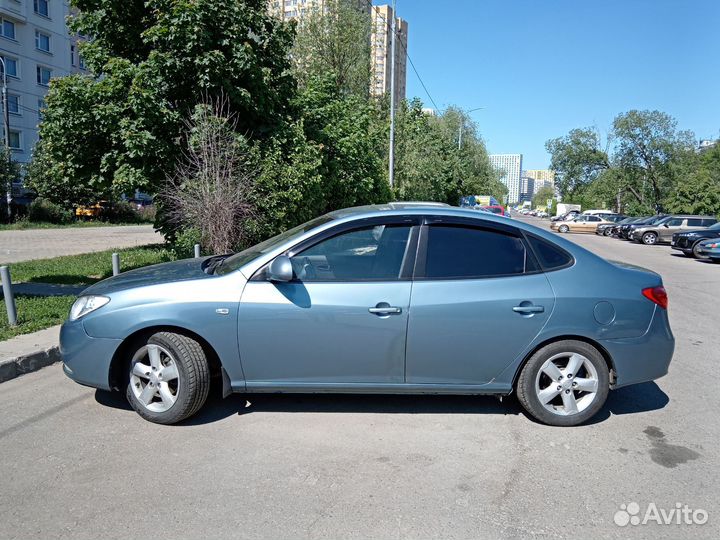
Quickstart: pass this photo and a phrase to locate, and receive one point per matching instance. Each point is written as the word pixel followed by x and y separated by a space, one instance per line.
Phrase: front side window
pixel 374 253
pixel 8 29
pixel 42 41
pixel 675 222
pixel 41 7
pixel 43 75
pixel 13 103
pixel 10 65
pixel 14 139
pixel 459 252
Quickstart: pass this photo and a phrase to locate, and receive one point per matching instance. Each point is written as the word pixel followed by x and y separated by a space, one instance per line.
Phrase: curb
pixel 11 368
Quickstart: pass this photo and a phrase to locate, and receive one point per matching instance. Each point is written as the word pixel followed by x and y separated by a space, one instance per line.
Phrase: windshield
pixel 234 262
pixel 715 227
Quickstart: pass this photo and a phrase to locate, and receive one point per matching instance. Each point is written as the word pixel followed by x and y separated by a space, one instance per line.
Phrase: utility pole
pixel 6 123
pixel 391 160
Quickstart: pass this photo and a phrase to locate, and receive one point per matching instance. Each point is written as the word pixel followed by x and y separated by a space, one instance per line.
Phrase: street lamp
pixel 6 122
pixel 462 124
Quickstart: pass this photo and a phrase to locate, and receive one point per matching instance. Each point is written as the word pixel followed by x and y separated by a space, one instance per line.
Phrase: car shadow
pixel 634 399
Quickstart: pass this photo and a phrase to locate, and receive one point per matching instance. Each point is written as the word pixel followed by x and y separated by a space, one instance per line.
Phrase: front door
pixel 476 306
pixel 342 320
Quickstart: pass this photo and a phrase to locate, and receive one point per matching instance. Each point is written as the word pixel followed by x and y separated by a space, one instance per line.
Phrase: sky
pixel 543 67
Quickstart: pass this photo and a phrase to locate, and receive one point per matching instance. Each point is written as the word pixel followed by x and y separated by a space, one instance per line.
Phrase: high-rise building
pixel 527 188
pixel 380 40
pixel 509 167
pixel 381 53
pixel 35 45
pixel 542 177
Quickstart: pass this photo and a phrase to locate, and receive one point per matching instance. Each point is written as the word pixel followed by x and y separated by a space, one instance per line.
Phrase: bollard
pixel 8 294
pixel 197 250
pixel 116 264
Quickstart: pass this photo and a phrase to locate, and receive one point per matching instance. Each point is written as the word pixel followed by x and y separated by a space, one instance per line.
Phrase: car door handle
pixel 529 309
pixel 387 310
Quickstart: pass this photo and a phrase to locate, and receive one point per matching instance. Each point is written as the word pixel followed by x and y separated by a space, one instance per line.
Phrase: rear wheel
pixel 564 384
pixel 649 238
pixel 169 378
pixel 563 228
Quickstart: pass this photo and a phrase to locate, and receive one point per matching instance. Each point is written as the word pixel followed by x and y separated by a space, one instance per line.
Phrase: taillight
pixel 657 295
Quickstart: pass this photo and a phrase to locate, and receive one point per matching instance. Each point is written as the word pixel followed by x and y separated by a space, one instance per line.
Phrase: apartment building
pixel 509 167
pixel 380 40
pixel 35 46
pixel 542 177
pixel 527 188
pixel 381 53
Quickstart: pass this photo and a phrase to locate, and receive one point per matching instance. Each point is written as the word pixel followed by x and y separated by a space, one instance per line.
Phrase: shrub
pixel 42 210
pixel 121 212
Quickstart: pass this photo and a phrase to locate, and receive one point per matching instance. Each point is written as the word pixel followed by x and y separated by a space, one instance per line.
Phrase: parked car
pixel 568 216
pixel 583 223
pixel 497 209
pixel 326 306
pixel 662 230
pixel 606 228
pixel 710 249
pixel 625 230
pixel 689 241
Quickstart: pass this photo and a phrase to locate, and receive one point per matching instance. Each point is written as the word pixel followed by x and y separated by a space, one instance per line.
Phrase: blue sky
pixel 543 67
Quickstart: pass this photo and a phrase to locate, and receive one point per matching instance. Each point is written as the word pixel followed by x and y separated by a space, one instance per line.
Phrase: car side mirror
pixel 280 269
pixel 666 225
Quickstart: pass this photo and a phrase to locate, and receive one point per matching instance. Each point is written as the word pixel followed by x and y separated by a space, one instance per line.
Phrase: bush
pixel 42 210
pixel 121 212
pixel 183 246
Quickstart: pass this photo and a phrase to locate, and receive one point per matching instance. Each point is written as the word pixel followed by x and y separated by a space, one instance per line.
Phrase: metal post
pixel 6 123
pixel 116 264
pixel 391 160
pixel 197 250
pixel 8 294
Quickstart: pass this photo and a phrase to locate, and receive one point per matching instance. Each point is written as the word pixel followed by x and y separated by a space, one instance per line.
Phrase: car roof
pixel 374 208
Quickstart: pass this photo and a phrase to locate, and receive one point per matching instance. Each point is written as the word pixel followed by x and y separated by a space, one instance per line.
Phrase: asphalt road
pixel 29 244
pixel 77 463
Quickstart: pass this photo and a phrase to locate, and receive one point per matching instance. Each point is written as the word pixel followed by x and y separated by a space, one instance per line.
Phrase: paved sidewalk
pixel 29 244
pixel 29 352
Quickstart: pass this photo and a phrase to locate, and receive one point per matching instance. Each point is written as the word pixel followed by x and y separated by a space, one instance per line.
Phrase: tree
pixel 542 196
pixel 647 144
pixel 697 190
pixel 334 37
pixel 152 62
pixel 210 189
pixel 577 159
pixel 9 173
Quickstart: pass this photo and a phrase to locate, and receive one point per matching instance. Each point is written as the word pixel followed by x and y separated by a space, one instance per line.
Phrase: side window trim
pixel 421 261
pixel 570 263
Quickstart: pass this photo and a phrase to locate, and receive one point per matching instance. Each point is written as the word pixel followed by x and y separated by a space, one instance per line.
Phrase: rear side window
pixel 457 252
pixel 695 222
pixel 550 256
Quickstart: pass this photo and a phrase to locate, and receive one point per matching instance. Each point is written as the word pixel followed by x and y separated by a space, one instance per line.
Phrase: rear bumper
pixel 644 358
pixel 86 360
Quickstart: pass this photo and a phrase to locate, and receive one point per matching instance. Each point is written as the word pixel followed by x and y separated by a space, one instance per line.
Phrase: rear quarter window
pixel 549 255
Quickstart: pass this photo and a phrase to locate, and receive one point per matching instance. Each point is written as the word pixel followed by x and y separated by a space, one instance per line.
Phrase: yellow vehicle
pixel 93 211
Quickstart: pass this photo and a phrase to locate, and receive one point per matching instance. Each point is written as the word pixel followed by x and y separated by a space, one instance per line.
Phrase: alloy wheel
pixel 566 384
pixel 154 378
pixel 649 238
pixel 563 228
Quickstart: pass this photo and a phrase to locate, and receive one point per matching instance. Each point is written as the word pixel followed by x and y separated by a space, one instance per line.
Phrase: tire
pixel 563 229
pixel 649 238
pixel 534 385
pixel 183 390
pixel 696 251
pixel 607 232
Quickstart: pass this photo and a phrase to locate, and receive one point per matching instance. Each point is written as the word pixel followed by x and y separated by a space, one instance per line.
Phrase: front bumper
pixel 713 253
pixel 645 358
pixel 86 359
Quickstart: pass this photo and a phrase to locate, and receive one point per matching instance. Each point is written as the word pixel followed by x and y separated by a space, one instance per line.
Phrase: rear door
pixel 671 226
pixel 478 300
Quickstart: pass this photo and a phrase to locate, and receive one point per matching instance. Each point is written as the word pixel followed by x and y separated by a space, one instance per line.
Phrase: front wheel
pixel 169 378
pixel 563 228
pixel 696 252
pixel 649 238
pixel 564 384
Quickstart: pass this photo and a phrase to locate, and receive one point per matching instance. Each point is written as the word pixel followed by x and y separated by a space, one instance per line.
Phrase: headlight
pixel 85 305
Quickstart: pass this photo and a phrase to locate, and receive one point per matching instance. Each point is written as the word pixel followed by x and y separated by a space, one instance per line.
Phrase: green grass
pixel 87 268
pixel 34 313
pixel 39 312
pixel 24 224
